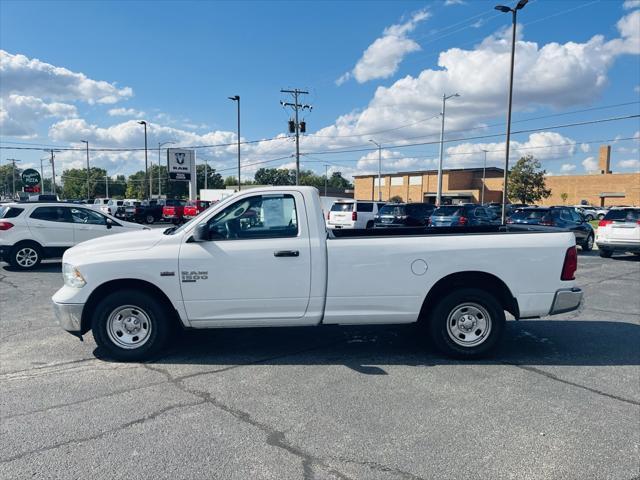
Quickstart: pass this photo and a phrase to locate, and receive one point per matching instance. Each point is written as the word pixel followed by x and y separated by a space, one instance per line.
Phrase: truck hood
pixel 127 241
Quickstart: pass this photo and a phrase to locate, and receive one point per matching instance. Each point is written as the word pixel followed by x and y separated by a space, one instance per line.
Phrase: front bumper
pixel 566 300
pixel 69 316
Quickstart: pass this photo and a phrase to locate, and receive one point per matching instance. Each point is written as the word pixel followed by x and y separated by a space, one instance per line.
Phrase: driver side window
pixel 260 216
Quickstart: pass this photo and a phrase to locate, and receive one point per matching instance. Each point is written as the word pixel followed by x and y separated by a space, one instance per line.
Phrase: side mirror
pixel 201 233
pixel 109 223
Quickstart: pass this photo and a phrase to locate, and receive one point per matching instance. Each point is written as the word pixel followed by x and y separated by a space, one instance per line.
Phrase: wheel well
pixel 482 280
pixel 27 242
pixel 129 284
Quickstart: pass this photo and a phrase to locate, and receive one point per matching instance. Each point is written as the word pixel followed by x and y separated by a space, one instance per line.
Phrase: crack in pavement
pixel 50 365
pixel 381 468
pixel 97 436
pixel 26 331
pixel 574 384
pixel 275 438
pixel 3 279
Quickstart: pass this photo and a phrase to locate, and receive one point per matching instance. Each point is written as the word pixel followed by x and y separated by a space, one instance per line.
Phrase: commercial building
pixel 460 185
pixel 602 188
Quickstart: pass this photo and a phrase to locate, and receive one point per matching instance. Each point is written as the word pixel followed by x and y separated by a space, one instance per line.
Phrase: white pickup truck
pixel 264 258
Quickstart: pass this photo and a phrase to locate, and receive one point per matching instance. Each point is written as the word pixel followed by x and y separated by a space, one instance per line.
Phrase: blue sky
pixel 372 70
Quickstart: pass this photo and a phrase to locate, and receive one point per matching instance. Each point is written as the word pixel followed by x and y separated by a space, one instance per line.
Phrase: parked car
pixel 121 210
pixel 619 231
pixel 132 290
pixel 601 212
pixel 403 215
pixel 462 216
pixel 587 212
pixel 559 217
pixel 30 232
pixel 145 212
pixel 100 204
pixel 195 208
pixel 496 208
pixel 173 211
pixel 353 214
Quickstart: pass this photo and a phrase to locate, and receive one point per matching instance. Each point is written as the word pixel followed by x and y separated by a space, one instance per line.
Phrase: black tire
pixel 149 219
pixel 142 306
pixel 25 256
pixel 605 253
pixel 442 328
pixel 588 217
pixel 600 216
pixel 587 246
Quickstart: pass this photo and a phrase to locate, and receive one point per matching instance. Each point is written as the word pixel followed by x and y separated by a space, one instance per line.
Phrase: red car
pixel 195 208
pixel 173 211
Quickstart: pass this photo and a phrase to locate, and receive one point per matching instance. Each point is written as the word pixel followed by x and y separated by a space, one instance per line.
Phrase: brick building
pixel 458 185
pixel 465 185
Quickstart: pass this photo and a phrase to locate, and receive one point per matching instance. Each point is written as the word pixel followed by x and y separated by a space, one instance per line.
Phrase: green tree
pixel 6 183
pixel 74 183
pixel 564 196
pixel 526 181
pixel 230 181
pixel 338 181
pixel 214 179
pixel 136 186
pixel 275 176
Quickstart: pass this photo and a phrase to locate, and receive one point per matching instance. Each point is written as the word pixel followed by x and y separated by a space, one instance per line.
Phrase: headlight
pixel 72 276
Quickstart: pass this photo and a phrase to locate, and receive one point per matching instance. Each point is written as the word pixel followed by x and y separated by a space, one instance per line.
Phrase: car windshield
pixel 342 207
pixel 623 215
pixel 529 214
pixel 448 211
pixel 395 210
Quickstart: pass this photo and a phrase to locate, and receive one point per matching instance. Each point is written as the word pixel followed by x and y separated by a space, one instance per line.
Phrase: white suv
pixel 619 231
pixel 30 232
pixel 353 214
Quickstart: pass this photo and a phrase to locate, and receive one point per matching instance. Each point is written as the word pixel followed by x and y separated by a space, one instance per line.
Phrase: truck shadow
pixel 368 350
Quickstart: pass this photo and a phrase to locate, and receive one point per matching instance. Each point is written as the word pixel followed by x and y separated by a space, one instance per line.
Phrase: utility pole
pixel 484 176
pixel 236 98
pixel 53 174
pixel 297 126
pixel 106 185
pixel 88 190
pixel 13 174
pixel 146 163
pixel 439 191
pixel 379 169
pixel 514 12
pixel 326 178
pixel 42 175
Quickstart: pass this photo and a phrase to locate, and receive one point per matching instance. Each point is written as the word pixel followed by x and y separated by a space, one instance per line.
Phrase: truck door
pixel 255 267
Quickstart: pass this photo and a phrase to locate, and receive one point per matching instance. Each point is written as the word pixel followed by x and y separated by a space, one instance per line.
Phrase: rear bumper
pixel 620 246
pixel 566 300
pixel 69 316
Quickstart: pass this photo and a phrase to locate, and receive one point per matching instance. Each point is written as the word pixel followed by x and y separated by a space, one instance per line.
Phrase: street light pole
pixel 88 189
pixel 379 169
pixel 159 176
pixel 326 178
pixel 439 190
pixel 13 174
pixel 42 174
pixel 236 98
pixel 53 174
pixel 484 176
pixel 146 163
pixel 514 11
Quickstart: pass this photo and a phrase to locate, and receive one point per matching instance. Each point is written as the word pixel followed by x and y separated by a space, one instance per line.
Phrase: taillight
pixel 509 220
pixel 570 264
pixel 328 215
pixel 354 216
pixel 462 220
pixel 604 223
pixel 5 225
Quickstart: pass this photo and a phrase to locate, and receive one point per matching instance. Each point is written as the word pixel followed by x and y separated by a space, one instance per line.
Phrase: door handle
pixel 286 253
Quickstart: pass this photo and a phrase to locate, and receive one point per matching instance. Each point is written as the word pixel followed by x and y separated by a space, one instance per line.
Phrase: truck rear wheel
pixel 467 323
pixel 130 325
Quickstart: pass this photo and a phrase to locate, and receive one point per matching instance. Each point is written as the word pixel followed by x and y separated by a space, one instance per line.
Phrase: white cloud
pixel 631 163
pixel 19 114
pixel 590 164
pixel 125 112
pixel 30 76
pixel 567 167
pixel 630 4
pixel 382 58
pixel 448 3
pixel 629 41
pixel 585 147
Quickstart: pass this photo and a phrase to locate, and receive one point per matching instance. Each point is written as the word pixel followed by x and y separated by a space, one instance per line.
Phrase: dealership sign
pixel 30 177
pixel 180 163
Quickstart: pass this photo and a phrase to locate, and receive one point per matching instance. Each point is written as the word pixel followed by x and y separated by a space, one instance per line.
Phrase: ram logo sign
pixel 180 164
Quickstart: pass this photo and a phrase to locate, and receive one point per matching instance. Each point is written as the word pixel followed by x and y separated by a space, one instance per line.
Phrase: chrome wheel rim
pixel 150 218
pixel 26 257
pixel 129 327
pixel 469 324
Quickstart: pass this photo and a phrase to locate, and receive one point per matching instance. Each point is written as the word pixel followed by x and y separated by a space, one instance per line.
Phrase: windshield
pixel 448 211
pixel 395 210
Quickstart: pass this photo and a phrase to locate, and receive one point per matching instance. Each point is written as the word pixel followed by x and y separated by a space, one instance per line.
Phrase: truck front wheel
pixel 130 326
pixel 467 323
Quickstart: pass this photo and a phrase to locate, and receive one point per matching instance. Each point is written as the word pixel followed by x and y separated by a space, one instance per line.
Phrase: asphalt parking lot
pixel 559 400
